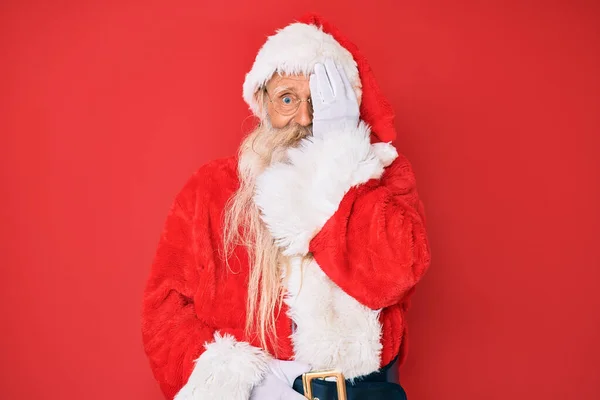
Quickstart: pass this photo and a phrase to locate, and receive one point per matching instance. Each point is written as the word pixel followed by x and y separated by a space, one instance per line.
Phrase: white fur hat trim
pixel 294 50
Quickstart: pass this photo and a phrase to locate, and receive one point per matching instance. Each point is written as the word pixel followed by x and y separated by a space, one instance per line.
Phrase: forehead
pixel 279 82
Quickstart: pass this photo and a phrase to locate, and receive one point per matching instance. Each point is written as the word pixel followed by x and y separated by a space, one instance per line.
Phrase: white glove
pixel 334 102
pixel 278 381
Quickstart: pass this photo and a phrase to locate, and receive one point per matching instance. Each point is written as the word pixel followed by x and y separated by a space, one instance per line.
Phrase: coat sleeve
pixel 189 359
pixel 354 206
pixel 375 245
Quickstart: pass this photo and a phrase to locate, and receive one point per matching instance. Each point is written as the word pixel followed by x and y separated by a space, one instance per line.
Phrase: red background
pixel 108 106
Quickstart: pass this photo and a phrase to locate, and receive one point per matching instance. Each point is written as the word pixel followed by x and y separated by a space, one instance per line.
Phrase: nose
pixel 303 116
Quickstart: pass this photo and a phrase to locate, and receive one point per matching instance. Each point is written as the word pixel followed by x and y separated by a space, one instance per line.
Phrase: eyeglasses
pixel 287 103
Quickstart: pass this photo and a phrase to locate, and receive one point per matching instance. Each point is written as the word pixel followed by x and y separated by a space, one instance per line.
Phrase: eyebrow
pixel 281 89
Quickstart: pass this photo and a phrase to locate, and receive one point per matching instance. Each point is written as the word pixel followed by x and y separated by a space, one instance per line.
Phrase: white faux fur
pixel 227 370
pixel 296 198
pixel 295 49
pixel 299 195
pixel 333 330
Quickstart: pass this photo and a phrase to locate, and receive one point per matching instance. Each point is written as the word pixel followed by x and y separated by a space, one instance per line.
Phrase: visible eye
pixel 287 100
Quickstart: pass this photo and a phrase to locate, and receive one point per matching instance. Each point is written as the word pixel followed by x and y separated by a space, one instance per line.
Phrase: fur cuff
pixel 227 370
pixel 298 196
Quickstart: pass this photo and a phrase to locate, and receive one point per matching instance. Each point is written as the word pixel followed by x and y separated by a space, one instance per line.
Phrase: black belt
pixel 379 385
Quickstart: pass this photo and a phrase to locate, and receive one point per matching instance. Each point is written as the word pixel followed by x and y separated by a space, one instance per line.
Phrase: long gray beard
pixel 268 145
pixel 287 138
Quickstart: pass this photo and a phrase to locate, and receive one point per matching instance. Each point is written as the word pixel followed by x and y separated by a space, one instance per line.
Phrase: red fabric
pixel 375 109
pixel 190 293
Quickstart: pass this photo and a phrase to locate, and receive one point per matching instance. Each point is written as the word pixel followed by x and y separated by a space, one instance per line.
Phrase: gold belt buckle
pixel 340 382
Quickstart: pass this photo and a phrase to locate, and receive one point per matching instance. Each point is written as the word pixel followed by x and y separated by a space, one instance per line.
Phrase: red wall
pixel 108 106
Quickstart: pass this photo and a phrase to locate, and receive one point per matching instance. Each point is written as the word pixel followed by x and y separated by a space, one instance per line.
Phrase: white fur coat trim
pixel 296 49
pixel 298 196
pixel 333 330
pixel 227 370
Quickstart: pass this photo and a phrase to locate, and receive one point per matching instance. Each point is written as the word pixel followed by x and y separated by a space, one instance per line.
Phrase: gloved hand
pixel 334 102
pixel 278 381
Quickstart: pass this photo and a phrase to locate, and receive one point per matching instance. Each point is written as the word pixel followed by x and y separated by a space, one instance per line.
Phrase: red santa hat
pixel 296 48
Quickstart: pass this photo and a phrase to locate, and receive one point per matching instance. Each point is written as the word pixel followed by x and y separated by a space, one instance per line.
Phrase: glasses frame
pixel 300 101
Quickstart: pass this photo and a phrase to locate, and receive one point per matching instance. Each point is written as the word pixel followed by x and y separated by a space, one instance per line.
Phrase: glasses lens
pixel 286 103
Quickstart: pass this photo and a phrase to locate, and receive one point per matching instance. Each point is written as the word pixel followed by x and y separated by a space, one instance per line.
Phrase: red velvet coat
pixel 353 205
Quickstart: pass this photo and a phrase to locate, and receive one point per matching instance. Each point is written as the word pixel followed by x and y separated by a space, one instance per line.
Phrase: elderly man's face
pixel 289 100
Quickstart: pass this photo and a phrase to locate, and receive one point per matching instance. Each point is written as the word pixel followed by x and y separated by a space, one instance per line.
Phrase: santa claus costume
pixel 348 199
